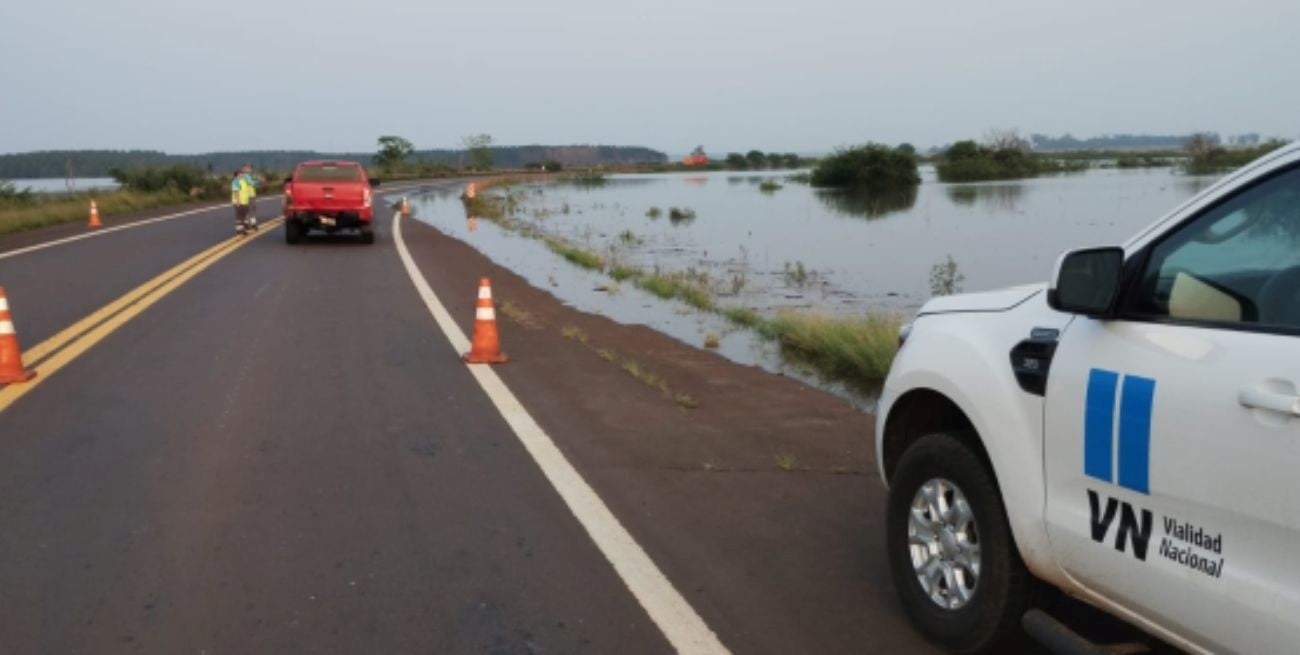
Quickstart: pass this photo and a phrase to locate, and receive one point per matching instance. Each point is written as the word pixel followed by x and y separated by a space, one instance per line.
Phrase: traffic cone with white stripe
pixel 11 356
pixel 94 215
pixel 486 347
pixel 406 207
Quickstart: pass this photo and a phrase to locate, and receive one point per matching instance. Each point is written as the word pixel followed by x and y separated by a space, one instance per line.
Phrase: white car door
pixel 1173 430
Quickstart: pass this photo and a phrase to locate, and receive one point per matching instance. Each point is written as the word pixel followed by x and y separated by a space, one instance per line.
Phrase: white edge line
pixel 102 231
pixel 149 221
pixel 676 619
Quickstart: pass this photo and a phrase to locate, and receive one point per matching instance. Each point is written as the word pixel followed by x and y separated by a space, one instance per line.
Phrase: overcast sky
pixel 803 75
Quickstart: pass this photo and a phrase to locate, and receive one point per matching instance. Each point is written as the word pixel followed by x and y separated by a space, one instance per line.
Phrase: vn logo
pixel 1134 429
pixel 1131 468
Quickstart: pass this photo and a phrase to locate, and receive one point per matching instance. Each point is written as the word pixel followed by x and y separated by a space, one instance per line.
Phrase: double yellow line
pixel 56 352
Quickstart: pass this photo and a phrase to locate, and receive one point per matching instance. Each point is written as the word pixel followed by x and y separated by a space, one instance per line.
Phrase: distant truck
pixel 1128 433
pixel 329 196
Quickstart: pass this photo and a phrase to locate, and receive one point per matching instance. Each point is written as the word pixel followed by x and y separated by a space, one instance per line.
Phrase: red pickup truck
pixel 329 196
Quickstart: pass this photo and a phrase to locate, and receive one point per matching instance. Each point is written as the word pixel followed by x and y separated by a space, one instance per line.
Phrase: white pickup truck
pixel 1128 434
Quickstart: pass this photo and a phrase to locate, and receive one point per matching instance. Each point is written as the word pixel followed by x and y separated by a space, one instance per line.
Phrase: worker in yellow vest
pixel 243 189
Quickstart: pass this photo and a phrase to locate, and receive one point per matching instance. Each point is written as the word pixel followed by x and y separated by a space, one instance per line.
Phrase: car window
pixel 1238 263
pixel 329 173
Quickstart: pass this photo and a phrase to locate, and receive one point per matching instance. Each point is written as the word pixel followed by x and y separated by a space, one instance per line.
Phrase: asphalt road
pixel 285 454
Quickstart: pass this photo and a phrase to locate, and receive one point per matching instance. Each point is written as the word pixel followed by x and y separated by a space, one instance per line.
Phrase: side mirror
pixel 374 182
pixel 288 181
pixel 1087 281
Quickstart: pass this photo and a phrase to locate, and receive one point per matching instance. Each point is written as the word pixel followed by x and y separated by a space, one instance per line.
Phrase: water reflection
pixel 1195 185
pixel 868 204
pixel 994 197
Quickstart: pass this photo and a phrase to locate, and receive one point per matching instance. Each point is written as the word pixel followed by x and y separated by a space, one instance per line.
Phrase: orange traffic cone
pixel 11 356
pixel 486 347
pixel 406 207
pixel 94 215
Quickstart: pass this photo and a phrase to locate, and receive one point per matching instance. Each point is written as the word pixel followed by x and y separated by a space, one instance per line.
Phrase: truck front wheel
pixel 954 562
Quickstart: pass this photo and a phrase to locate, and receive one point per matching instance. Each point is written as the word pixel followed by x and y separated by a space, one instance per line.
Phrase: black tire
pixel 367 234
pixel 292 231
pixel 1005 590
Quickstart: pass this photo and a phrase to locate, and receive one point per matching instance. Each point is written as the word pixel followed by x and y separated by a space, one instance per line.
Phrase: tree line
pixel 100 163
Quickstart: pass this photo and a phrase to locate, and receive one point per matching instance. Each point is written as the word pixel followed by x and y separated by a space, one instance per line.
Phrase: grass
pixel 654 212
pixel 574 333
pixel 622 272
pixel 685 401
pixel 76 207
pixel 857 348
pixel 681 286
pixel 795 275
pixel 742 316
pixel 645 376
pixel 519 315
pixel 629 238
pixel 787 462
pixel 584 258
pixel 712 341
pixel 769 186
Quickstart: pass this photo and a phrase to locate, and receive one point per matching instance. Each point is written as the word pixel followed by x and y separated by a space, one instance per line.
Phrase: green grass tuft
pixel 856 348
pixel 584 258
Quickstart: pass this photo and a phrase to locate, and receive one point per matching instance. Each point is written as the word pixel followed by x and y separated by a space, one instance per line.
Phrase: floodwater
pixel 62 185
pixel 798 247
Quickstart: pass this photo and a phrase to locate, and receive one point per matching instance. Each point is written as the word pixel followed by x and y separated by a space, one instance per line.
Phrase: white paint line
pixel 676 619
pixel 96 232
pixel 104 230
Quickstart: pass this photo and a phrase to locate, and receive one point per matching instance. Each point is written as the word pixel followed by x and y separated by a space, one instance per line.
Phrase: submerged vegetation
pixel 857 349
pixel 873 167
pixel 1206 155
pixel 853 348
pixel 1004 155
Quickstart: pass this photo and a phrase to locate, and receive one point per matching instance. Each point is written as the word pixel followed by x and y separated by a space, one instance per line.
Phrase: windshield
pixel 329 173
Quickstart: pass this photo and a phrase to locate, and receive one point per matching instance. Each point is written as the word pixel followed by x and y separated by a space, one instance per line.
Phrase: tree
pixel 478 147
pixel 775 160
pixel 737 161
pixel 872 167
pixel 393 152
pixel 1201 144
pixel 756 158
pixel 790 160
pixel 1007 140
pixel 906 148
pixel 962 150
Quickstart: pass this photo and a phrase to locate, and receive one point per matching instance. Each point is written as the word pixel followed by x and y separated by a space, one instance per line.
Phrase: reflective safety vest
pixel 242 190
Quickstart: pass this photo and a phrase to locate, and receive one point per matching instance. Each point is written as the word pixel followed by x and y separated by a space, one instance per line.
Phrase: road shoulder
pixel 754 493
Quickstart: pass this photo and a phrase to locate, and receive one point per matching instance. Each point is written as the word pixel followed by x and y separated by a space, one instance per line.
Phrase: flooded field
pixel 755 246
pixel 63 185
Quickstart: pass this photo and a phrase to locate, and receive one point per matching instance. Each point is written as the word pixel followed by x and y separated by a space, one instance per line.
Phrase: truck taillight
pixel 365 198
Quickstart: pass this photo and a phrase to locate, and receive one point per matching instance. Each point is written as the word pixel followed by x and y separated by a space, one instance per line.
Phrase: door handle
pixel 1281 403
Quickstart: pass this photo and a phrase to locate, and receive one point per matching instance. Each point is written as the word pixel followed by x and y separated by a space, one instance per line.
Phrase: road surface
pixel 251 447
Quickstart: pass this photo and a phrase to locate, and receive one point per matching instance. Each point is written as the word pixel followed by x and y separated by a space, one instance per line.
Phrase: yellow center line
pixel 57 351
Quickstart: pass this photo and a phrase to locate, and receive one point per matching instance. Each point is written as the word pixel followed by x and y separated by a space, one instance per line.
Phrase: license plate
pixel 326 220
